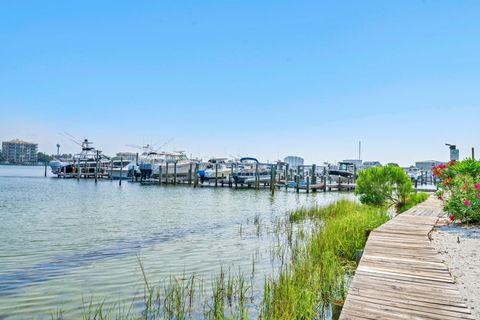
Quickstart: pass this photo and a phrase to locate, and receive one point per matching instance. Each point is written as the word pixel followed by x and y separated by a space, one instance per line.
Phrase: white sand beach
pixel 460 247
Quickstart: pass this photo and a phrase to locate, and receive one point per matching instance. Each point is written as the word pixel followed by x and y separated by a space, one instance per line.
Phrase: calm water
pixel 63 241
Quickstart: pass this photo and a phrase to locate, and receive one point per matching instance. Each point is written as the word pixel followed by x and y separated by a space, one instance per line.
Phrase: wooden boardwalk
pixel 401 276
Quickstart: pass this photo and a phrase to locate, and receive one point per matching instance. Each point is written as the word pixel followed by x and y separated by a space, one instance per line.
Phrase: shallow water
pixel 64 241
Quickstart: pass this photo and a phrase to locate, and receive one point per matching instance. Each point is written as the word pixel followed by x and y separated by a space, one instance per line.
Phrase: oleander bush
pixel 460 189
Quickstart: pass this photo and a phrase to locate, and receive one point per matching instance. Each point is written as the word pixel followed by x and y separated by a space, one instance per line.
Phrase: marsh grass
pixel 320 263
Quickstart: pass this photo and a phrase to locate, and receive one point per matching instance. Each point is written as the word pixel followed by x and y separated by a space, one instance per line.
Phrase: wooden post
pixel 308 184
pixel 166 172
pixel 216 173
pixel 160 174
pixel 121 169
pixel 190 174
pixel 272 178
pixel 230 176
pixel 236 171
pixel 257 178
pixel 286 173
pixel 473 153
pixel 133 172
pixel 354 173
pixel 195 177
pixel 45 168
pixel 298 179
pixel 175 172
pixel 96 168
pixel 324 179
pixel 111 169
pixel 314 174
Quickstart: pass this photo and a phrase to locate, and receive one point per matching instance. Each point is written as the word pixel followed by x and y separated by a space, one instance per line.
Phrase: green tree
pixel 43 157
pixel 387 186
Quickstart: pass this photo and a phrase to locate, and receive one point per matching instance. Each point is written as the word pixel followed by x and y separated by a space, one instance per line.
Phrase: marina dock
pixel 401 276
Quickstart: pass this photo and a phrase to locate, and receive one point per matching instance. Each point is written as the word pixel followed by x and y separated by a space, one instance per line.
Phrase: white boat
pixel 413 173
pixel 247 174
pixel 215 168
pixel 171 163
pixel 88 162
pixel 122 169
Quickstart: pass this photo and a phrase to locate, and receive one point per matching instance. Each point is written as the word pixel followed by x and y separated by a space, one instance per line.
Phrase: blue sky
pixel 262 78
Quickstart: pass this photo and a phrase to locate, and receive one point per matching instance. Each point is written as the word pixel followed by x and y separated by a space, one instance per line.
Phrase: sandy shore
pixel 460 247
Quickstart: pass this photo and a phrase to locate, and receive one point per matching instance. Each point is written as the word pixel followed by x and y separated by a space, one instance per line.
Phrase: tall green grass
pixel 318 272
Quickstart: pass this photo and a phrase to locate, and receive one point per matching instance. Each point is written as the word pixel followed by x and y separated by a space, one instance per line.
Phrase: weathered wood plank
pixel 401 276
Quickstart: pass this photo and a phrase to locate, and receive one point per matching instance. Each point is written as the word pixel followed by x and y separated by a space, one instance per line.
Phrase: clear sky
pixel 261 78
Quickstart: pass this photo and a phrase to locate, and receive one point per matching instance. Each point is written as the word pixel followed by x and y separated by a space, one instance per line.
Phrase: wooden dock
pixel 401 276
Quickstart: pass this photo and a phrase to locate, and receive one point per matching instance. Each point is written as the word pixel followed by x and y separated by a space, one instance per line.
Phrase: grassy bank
pixel 320 264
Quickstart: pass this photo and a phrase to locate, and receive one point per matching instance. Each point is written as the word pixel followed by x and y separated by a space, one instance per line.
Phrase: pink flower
pixel 452 218
pixel 451 163
pixel 442 166
pixel 477 186
pixel 478 196
pixel 466 203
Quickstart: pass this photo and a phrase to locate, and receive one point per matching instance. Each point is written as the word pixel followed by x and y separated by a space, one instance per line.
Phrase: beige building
pixel 18 151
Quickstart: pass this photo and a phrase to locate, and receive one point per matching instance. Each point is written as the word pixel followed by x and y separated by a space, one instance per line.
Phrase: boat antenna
pixel 71 138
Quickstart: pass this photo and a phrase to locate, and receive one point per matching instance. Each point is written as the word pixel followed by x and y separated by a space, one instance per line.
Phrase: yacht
pixel 87 162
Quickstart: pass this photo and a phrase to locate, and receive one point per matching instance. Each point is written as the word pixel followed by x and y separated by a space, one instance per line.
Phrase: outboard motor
pixel 145 171
pixel 201 175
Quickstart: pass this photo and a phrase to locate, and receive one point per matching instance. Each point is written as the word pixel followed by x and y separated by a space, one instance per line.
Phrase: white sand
pixel 463 260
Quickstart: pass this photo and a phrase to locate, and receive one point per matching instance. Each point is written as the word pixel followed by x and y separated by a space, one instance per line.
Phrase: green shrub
pixel 385 187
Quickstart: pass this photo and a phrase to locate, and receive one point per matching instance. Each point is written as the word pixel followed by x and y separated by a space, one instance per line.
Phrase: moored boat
pixel 251 170
pixel 87 163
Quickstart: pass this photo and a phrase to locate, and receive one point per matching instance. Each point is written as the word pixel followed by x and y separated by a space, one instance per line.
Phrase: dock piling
pixel 216 174
pixel 175 172
pixel 160 174
pixel 121 169
pixel 190 174
pixel 195 177
pixel 166 172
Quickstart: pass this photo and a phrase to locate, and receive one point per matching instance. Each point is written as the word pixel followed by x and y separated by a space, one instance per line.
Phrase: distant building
pixel 294 161
pixel 18 151
pixel 427 164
